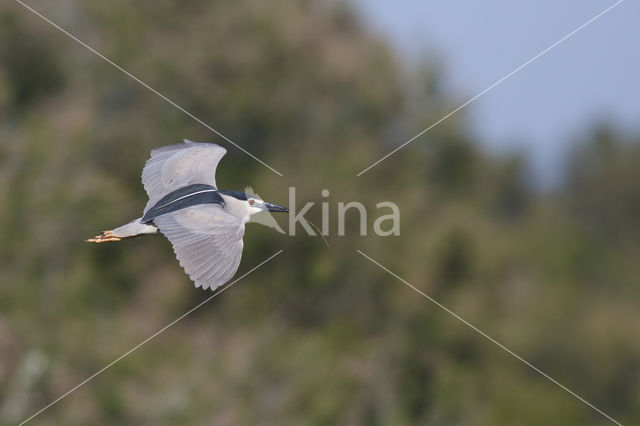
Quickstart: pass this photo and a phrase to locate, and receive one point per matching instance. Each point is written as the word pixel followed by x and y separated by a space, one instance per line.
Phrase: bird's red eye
pixel 251 202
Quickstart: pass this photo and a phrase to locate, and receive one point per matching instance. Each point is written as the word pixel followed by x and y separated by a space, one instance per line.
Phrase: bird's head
pixel 255 202
pixel 256 205
pixel 246 205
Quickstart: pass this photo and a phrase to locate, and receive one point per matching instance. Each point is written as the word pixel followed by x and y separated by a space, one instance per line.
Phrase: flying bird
pixel 205 225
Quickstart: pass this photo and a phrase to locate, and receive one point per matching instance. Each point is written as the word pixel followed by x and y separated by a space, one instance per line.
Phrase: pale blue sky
pixel 545 107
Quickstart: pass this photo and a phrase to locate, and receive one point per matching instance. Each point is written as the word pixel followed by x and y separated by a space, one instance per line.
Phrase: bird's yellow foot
pixel 106 236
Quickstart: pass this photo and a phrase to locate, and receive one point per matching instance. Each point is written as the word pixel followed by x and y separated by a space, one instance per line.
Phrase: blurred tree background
pixel 316 336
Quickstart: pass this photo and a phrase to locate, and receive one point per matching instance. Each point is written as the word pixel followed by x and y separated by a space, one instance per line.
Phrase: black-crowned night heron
pixel 205 225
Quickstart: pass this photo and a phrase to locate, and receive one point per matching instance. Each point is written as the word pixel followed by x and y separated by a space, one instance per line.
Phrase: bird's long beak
pixel 275 208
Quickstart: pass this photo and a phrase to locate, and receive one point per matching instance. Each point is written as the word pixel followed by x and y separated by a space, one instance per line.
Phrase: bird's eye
pixel 251 202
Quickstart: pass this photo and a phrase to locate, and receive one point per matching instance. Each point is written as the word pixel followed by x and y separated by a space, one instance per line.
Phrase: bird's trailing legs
pixel 131 229
pixel 106 236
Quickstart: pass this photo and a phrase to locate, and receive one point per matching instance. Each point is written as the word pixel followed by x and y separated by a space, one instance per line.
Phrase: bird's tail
pixel 131 229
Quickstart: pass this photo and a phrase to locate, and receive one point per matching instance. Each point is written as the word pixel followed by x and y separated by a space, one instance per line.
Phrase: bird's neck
pixel 236 207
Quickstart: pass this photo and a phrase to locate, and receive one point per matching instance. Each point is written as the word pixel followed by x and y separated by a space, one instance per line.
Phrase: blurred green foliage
pixel 317 336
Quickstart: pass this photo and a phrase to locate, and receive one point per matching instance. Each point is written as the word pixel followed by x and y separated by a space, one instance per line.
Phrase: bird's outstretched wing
pixel 174 166
pixel 207 242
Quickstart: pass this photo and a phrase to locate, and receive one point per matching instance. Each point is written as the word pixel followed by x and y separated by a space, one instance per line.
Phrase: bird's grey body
pixel 204 225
